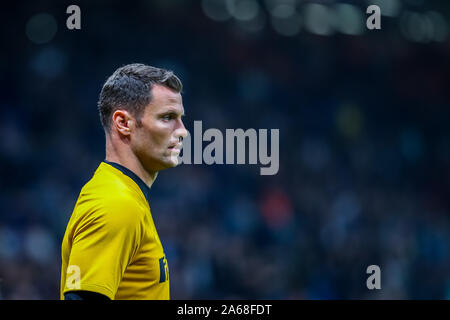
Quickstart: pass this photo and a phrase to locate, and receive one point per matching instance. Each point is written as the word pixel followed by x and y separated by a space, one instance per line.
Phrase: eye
pixel 167 117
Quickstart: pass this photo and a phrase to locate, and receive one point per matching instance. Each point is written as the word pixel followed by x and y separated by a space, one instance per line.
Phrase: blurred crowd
pixel 364 152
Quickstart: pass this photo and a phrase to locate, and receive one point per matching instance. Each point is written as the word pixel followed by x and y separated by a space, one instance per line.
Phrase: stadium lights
pixel 423 27
pixel 41 28
pixel 288 17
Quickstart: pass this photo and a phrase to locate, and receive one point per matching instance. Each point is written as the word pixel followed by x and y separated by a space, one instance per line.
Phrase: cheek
pixel 158 137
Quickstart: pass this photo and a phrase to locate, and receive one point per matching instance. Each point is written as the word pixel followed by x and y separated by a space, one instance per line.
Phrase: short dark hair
pixel 130 88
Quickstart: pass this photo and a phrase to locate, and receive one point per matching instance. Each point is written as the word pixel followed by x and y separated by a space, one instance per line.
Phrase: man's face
pixel 156 142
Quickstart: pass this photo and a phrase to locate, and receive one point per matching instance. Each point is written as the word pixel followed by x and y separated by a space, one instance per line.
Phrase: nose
pixel 181 131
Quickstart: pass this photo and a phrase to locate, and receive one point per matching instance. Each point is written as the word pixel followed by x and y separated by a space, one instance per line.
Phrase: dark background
pixel 364 143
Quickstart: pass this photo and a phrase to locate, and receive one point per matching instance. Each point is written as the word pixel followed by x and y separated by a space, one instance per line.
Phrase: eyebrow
pixel 171 110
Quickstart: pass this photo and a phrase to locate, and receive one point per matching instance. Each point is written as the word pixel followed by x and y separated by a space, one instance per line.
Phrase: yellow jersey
pixel 111 245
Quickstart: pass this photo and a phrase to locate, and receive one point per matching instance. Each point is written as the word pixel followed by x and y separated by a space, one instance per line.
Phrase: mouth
pixel 175 147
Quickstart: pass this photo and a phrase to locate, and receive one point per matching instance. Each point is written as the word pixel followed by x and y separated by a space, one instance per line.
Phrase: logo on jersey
pixel 163 269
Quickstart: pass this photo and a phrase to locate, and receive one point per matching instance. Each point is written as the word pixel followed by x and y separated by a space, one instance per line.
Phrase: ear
pixel 123 122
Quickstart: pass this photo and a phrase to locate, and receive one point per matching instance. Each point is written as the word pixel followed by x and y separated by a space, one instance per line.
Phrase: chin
pixel 172 162
pixel 161 164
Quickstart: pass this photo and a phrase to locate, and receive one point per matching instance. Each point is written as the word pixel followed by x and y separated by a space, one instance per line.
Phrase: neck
pixel 130 161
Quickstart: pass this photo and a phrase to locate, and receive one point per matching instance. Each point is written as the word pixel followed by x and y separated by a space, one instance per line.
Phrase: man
pixel 111 248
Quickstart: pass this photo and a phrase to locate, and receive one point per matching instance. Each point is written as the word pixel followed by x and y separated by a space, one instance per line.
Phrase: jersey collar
pixel 144 188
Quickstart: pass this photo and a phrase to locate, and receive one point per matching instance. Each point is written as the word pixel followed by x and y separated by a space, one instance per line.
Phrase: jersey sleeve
pixel 103 244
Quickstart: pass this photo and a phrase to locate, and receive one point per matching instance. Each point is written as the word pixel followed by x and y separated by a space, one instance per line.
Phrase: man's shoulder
pixel 110 193
pixel 105 192
pixel 108 208
pixel 105 183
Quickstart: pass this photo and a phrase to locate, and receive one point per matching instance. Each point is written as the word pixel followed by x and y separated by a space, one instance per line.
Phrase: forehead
pixel 165 98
